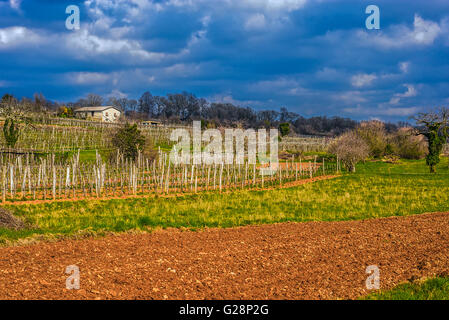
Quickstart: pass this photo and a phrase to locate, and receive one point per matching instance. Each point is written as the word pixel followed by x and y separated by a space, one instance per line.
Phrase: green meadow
pixel 431 289
pixel 376 190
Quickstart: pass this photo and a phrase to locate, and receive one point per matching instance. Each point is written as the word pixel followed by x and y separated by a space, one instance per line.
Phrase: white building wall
pixel 110 115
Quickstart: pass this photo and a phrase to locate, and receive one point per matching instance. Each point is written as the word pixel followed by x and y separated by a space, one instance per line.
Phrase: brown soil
pixel 316 260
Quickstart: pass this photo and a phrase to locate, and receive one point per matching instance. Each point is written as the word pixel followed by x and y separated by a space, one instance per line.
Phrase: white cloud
pixel 255 22
pixel 424 33
pixel 288 5
pixel 116 22
pixel 135 7
pixel 363 79
pixel 117 94
pixel 124 80
pixel 85 78
pixel 83 43
pixel 350 97
pixel 327 74
pixel 228 98
pixel 15 36
pixel 402 112
pixel 15 4
pixel 404 66
pixel 411 92
pixel 182 70
pixel 396 99
pixel 264 5
pixel 131 10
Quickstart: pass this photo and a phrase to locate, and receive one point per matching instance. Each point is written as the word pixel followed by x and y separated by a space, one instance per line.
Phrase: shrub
pixel 284 129
pixel 129 141
pixel 408 145
pixel 373 133
pixel 65 112
pixel 11 132
pixel 436 130
pixel 350 149
pixel 390 149
pixel 436 143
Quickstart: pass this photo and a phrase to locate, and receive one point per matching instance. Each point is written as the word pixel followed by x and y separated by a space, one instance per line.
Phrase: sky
pixel 314 57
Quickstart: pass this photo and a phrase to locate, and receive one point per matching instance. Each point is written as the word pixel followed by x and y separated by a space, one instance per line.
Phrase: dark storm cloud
pixel 314 57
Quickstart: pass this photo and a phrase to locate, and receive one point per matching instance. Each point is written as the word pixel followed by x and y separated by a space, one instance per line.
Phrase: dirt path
pixel 317 260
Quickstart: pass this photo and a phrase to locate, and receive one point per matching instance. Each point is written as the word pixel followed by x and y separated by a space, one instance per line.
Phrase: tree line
pixel 185 107
pixel 370 139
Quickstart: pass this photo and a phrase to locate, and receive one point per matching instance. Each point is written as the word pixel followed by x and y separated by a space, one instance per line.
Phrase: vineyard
pixel 305 144
pixel 56 135
pixel 74 135
pixel 47 163
pixel 24 178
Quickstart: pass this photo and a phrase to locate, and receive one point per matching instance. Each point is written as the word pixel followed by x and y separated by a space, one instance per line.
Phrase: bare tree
pixel 351 149
pixel 94 100
pixel 10 108
pixel 39 102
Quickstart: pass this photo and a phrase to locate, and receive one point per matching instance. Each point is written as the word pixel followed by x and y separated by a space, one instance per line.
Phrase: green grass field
pixel 432 289
pixel 376 190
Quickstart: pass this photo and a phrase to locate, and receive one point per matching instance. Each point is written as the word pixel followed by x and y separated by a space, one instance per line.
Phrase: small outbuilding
pixel 151 123
pixel 101 113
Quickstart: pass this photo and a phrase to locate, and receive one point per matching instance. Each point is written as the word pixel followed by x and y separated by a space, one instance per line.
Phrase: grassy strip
pixel 377 190
pixel 432 289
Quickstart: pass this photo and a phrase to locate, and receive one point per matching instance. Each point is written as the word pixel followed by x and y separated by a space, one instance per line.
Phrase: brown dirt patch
pixel 316 260
pixel 9 221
